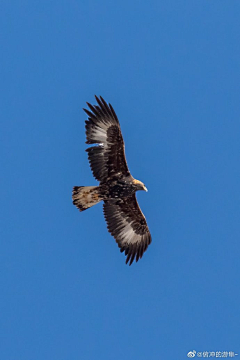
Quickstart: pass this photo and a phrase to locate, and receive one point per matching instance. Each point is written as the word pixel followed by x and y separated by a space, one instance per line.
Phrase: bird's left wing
pixel 126 222
pixel 107 158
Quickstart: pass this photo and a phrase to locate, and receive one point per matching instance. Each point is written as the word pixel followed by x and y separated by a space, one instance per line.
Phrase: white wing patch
pixel 127 234
pixel 99 133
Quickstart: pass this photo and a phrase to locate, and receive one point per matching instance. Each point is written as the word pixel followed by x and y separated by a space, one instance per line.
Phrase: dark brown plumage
pixel 125 220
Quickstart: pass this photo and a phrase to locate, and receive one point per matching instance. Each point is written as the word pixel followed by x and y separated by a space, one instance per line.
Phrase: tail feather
pixel 85 196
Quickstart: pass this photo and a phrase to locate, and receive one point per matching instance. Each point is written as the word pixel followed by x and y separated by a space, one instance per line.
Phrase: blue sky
pixel 171 70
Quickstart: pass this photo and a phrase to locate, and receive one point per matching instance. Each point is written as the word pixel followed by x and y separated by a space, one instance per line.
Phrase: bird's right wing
pixel 107 158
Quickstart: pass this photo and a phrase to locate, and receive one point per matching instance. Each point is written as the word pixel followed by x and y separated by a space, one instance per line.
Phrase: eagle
pixel 117 188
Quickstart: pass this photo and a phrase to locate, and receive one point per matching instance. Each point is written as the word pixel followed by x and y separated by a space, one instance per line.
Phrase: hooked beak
pixel 144 188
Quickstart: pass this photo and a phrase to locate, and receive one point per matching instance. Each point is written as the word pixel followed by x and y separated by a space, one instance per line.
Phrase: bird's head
pixel 139 185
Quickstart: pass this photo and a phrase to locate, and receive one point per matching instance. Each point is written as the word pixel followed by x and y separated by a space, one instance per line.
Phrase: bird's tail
pixel 85 196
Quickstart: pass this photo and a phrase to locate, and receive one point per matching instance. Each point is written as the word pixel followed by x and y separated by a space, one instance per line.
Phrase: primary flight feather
pixel 117 187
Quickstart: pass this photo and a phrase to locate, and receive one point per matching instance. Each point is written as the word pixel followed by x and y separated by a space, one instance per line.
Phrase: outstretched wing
pixel 126 222
pixel 107 158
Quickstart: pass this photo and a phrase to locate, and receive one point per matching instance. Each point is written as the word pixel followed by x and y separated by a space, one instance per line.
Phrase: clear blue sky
pixel 171 70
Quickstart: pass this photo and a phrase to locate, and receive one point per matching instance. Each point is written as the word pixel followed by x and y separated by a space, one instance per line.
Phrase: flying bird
pixel 117 188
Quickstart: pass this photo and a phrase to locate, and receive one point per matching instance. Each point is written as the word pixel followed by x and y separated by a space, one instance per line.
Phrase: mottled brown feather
pixel 106 155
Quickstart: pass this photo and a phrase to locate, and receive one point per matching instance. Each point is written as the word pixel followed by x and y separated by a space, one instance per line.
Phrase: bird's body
pixel 117 187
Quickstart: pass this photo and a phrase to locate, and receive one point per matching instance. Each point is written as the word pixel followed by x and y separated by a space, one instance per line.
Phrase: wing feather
pixel 107 158
pixel 126 222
